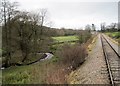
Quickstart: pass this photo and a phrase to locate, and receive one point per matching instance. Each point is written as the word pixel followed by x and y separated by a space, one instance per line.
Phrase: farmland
pixel 65 38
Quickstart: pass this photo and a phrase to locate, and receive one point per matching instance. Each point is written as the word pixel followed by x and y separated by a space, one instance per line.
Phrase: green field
pixel 114 34
pixel 65 38
pixel 60 40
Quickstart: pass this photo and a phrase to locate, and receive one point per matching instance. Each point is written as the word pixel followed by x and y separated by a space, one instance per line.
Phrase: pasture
pixel 65 38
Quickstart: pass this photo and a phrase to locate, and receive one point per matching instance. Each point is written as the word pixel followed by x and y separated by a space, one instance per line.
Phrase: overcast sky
pixel 75 13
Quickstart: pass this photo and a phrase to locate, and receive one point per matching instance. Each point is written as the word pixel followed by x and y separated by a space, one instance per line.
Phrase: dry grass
pixel 57 75
pixel 90 43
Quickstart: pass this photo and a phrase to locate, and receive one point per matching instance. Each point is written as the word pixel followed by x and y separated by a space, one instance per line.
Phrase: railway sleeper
pixel 117 83
pixel 115 69
pixel 105 73
pixel 105 69
pixel 117 79
pixel 115 62
pixel 116 76
pixel 115 66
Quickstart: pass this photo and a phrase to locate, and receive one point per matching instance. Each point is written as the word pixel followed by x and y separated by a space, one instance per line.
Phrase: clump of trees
pixel 8 11
pixel 113 27
pixel 23 33
pixel 84 35
pixel 63 32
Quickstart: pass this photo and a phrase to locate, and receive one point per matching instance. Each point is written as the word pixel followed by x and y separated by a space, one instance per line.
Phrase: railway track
pixel 112 59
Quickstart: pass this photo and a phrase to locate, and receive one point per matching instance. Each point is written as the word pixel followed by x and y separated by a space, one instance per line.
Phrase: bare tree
pixel 103 25
pixel 88 28
pixel 113 26
pixel 8 10
pixel 34 17
pixel 42 16
pixel 31 25
pixel 93 27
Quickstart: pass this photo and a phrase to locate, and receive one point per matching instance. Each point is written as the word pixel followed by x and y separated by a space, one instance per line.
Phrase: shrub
pixel 72 55
pixel 83 37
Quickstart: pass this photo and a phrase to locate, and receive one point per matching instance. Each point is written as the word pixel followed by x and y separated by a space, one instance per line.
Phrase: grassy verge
pixel 16 75
pixel 30 74
pixel 114 35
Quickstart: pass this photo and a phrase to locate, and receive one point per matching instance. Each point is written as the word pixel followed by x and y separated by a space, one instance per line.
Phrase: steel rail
pixel 111 46
pixel 108 64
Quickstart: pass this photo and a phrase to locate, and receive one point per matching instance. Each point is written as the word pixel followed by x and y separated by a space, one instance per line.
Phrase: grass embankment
pixel 114 35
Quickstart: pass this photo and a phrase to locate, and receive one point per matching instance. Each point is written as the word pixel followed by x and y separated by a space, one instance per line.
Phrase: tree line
pixel 113 27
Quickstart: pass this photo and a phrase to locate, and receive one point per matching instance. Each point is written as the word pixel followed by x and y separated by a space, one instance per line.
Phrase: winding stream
pixel 48 56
